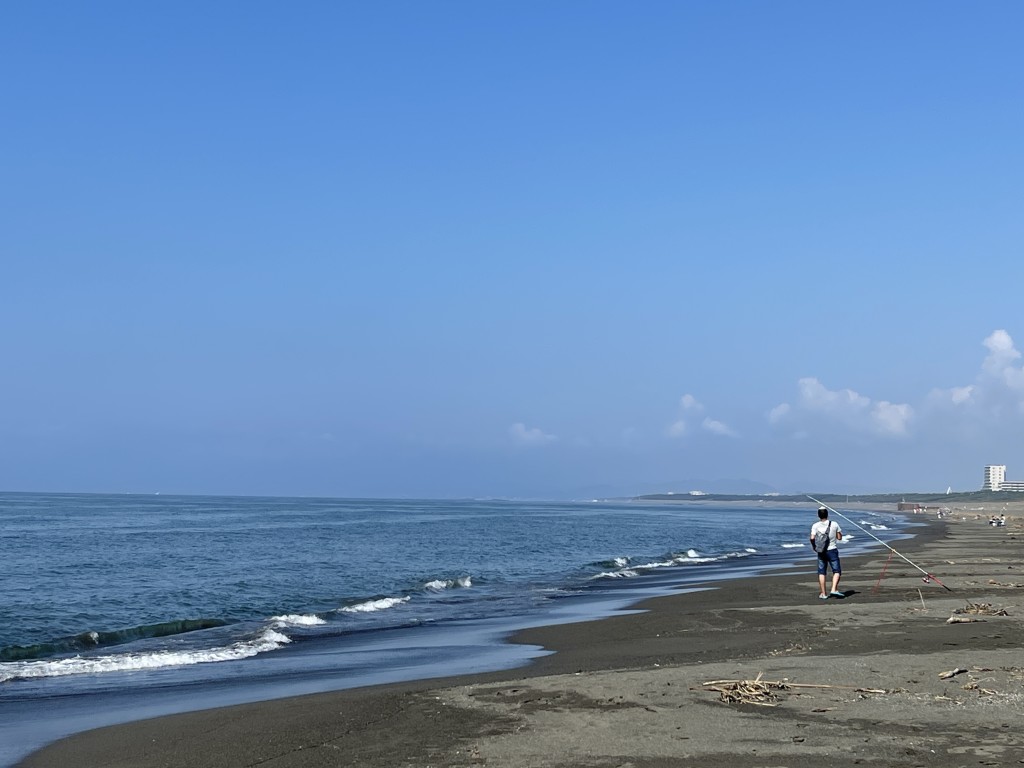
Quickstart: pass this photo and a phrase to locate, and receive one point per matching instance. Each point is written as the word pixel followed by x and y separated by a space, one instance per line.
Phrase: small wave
pixel 268 640
pixel 90 640
pixel 879 528
pixel 623 574
pixel 793 546
pixel 297 620
pixel 695 560
pixel 614 562
pixel 745 553
pixel 438 584
pixel 374 605
pixel 656 564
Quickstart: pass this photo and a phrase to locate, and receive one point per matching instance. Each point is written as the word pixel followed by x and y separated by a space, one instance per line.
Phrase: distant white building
pixel 995 476
pixel 995 480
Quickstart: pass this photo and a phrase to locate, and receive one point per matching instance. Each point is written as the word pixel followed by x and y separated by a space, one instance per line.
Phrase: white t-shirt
pixel 833 529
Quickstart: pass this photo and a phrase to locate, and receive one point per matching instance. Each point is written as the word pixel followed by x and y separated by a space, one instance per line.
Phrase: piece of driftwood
pixel 961 620
pixel 981 609
pixel 1004 583
pixel 973 686
pixel 951 673
pixel 763 692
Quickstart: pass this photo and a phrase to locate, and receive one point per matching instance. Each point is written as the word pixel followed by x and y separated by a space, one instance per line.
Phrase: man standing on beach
pixel 824 535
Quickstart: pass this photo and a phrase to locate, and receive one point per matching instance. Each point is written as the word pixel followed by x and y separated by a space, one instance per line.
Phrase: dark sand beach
pixel 629 690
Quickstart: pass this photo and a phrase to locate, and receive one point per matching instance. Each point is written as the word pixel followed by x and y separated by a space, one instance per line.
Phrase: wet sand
pixel 629 690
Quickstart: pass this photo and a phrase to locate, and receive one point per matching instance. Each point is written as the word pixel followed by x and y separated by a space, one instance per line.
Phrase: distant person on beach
pixel 824 535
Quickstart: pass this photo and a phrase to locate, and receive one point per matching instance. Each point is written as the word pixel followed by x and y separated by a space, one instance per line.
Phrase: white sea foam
pixel 658 564
pixel 620 562
pixel 374 605
pixel 269 640
pixel 438 584
pixel 879 527
pixel 297 620
pixel 694 559
pixel 792 546
pixel 624 574
pixel 745 553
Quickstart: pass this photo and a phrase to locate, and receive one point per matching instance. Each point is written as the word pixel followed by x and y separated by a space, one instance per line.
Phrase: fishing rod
pixel 928 576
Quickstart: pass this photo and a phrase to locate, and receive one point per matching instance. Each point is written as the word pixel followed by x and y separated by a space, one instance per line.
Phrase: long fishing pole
pixel 928 576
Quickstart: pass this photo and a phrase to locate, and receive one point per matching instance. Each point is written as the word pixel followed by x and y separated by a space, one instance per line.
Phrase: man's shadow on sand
pixel 843 594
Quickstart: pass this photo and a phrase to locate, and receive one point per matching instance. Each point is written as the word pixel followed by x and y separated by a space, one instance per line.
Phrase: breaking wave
pixel 297 620
pixel 623 574
pixel 268 640
pixel 690 557
pixel 440 584
pixel 90 640
pixel 371 606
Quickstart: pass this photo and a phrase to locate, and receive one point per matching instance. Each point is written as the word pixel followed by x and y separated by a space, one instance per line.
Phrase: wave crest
pixel 623 574
pixel 370 606
pixel 439 584
pixel 297 620
pixel 92 639
pixel 268 640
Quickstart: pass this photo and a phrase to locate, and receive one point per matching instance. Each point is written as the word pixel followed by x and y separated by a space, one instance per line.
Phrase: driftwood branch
pixel 762 692
pixel 983 609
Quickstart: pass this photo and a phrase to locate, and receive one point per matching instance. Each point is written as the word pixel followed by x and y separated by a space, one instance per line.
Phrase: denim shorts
pixel 830 557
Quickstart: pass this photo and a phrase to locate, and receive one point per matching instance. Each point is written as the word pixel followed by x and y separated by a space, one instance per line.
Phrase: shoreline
pixel 638 675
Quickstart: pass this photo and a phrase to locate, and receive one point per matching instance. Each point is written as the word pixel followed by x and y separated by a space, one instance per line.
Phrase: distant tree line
pixel 834 499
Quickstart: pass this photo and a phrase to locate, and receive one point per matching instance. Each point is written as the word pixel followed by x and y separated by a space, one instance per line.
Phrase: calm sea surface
pixel 119 607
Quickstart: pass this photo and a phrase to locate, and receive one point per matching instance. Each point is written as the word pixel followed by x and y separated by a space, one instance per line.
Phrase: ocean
pixel 118 607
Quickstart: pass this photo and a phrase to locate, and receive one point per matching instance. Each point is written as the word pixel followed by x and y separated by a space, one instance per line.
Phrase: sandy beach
pixel 878 678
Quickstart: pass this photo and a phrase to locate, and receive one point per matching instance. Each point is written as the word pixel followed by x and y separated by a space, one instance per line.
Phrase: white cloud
pixel 689 403
pixel 1001 352
pixel 992 404
pixel 998 389
pixel 845 408
pixel 955 396
pixel 816 396
pixel 778 413
pixel 677 428
pixel 999 363
pixel 717 428
pixel 523 435
pixel 690 406
pixel 961 395
pixel 891 418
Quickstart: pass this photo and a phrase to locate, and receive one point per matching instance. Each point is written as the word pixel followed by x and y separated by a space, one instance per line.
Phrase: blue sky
pixel 513 249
